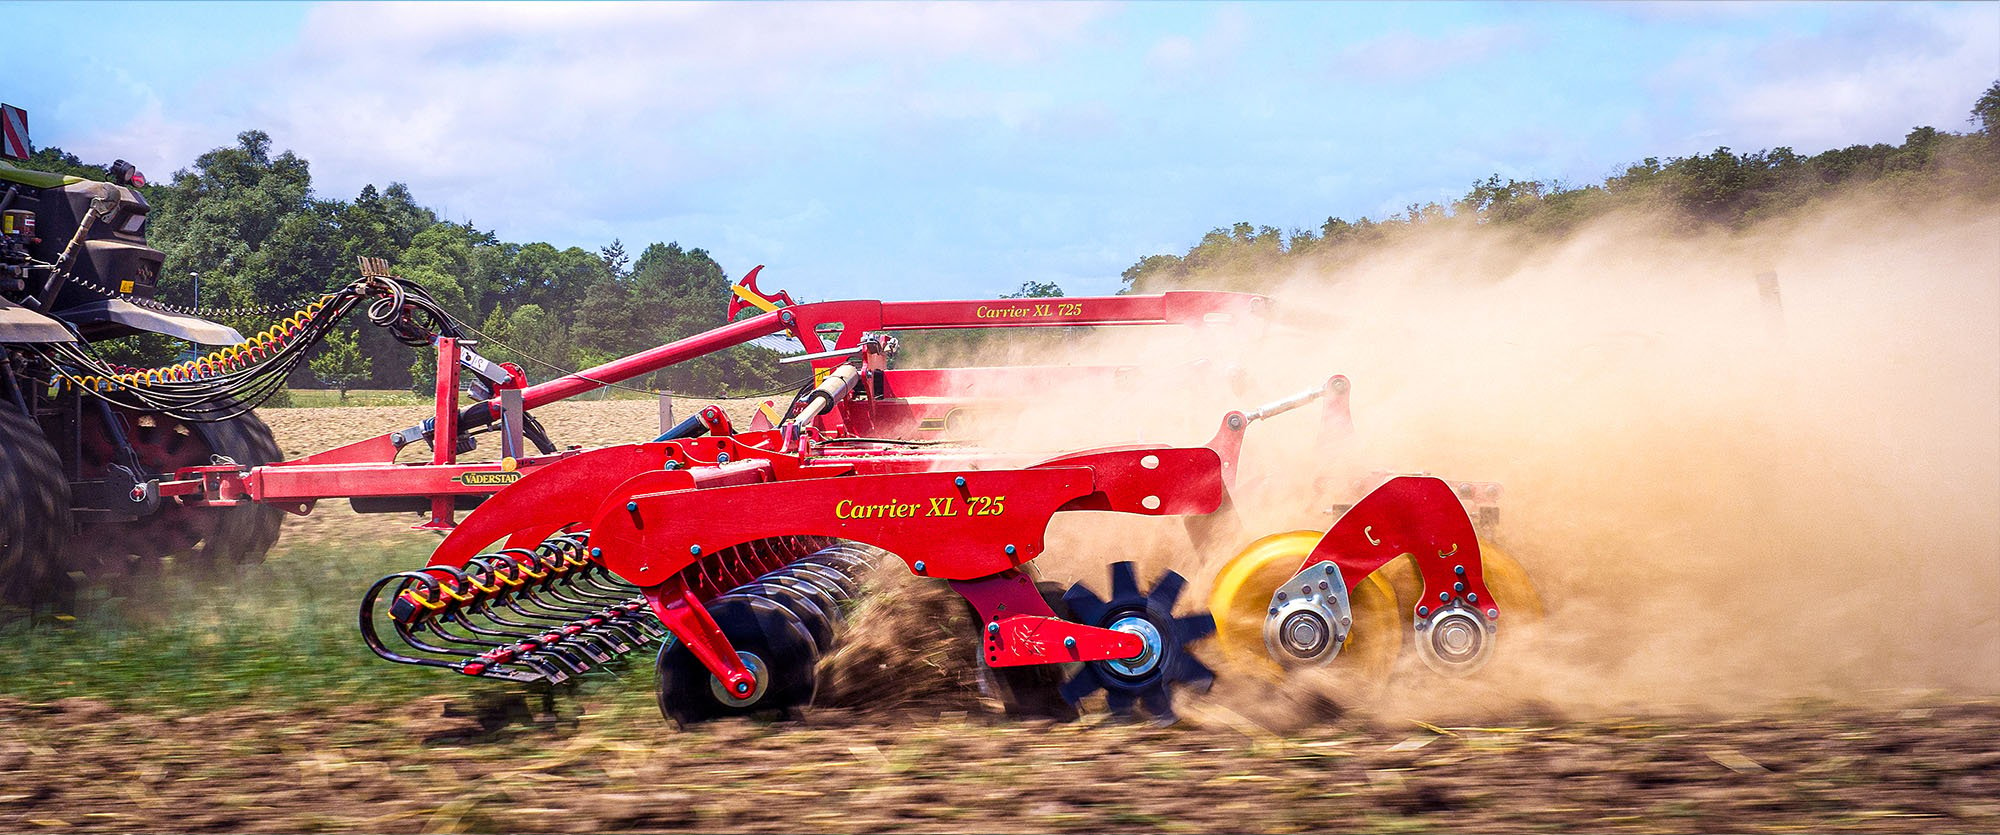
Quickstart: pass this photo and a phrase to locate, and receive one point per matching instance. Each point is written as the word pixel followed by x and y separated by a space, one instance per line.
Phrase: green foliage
pixel 55 161
pixel 1719 189
pixel 1986 111
pixel 247 222
pixel 1035 290
pixel 340 363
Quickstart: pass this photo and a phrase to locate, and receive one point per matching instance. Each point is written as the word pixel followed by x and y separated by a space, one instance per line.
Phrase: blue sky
pixel 926 150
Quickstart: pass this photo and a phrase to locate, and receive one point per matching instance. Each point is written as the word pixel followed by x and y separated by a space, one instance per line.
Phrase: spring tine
pixel 550 613
pixel 465 623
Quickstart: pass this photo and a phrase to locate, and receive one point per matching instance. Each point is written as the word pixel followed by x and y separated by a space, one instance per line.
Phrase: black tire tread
pixel 34 518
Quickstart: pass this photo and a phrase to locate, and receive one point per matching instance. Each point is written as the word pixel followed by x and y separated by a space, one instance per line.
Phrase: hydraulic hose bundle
pixel 238 378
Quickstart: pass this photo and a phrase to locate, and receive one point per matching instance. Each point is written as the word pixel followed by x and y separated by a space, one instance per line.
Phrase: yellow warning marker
pixel 753 299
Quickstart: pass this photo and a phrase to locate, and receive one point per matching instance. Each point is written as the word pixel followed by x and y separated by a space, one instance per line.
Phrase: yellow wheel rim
pixel 1241 598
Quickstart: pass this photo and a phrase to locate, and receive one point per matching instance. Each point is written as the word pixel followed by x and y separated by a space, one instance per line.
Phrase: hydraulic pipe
pixel 625 368
pixel 838 383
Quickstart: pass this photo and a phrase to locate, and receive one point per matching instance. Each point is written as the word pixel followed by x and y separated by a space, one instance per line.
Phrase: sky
pixel 909 150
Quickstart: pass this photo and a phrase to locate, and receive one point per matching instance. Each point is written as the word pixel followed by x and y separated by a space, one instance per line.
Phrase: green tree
pixel 340 362
pixel 1986 111
pixel 1035 290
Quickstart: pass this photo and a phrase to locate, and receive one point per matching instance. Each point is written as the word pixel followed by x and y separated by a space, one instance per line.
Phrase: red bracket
pixel 1420 516
pixel 683 615
pixel 1018 628
pixel 746 295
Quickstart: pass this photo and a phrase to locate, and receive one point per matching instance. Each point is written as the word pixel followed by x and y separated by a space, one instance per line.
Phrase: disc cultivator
pixel 736 553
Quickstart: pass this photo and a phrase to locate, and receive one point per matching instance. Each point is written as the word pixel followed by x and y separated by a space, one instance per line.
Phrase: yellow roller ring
pixel 1506 580
pixel 1241 598
pixel 1241 595
pixel 1377 635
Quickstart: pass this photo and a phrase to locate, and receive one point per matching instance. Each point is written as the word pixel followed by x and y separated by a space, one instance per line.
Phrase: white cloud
pixel 1406 56
pixel 1870 77
pixel 1219 43
pixel 504 102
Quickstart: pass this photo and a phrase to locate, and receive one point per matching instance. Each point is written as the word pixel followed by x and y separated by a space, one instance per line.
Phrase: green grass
pixel 303 398
pixel 321 398
pixel 276 635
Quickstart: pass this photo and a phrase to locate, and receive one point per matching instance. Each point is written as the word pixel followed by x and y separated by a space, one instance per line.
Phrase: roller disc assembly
pixel 1147 680
pixel 770 640
pixel 1246 614
pixel 1459 641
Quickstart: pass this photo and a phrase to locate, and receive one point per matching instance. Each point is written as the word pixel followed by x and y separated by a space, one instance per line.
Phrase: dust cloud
pixel 1726 499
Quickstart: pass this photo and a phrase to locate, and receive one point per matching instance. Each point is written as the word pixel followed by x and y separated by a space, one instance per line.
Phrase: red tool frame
pixel 658 513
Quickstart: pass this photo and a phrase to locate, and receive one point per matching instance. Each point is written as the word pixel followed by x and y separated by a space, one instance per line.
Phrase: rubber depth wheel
pixel 34 518
pixel 196 536
pixel 1241 598
pixel 779 649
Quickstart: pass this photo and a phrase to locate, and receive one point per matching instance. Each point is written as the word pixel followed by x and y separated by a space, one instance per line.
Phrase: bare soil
pixel 902 742
pixel 442 765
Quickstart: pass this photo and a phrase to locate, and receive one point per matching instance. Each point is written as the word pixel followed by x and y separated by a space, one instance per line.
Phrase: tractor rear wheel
pixel 193 536
pixel 34 518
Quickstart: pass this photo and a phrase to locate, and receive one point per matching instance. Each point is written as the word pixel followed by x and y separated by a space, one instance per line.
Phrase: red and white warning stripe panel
pixel 14 133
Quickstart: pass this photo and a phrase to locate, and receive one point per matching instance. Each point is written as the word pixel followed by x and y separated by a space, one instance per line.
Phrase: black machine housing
pixel 102 228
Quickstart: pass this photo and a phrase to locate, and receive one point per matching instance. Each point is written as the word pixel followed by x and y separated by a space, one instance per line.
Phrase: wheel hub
pixel 1455 641
pixel 1309 617
pixel 1149 656
pixel 758 672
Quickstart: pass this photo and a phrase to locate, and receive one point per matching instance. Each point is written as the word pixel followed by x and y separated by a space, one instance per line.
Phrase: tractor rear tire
pixel 34 519
pixel 247 531
pixel 195 538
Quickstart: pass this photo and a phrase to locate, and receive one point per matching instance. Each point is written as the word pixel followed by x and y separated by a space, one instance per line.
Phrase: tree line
pixel 1720 189
pixel 245 226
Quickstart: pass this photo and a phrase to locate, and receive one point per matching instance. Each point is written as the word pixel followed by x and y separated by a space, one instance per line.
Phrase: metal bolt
pixel 1322 585
pixel 1458 569
pixel 959 481
pixel 1458 587
pixel 1327 570
pixel 1274 610
pixel 1493 614
pixel 1472 598
pixel 919 566
pixel 1421 610
pixel 1281 597
pixel 1069 643
pixel 1306 589
pixel 742 687
pixel 597 552
pixel 722 458
pixel 632 506
pixel 993 628
pixel 1443 597
pixel 1009 549
pixel 695 550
